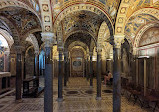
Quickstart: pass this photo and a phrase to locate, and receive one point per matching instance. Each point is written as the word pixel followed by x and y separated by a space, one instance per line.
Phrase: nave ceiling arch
pixel 31 38
pixel 81 11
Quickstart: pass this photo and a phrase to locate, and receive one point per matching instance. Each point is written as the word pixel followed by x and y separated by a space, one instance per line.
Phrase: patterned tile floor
pixel 78 97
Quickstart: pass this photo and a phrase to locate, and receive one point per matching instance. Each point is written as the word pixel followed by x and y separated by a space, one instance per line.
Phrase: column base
pixel 98 98
pixel 59 99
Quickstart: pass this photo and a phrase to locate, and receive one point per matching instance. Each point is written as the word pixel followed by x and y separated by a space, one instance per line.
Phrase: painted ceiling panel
pixel 23 19
pixel 109 6
pixel 136 22
pixel 82 20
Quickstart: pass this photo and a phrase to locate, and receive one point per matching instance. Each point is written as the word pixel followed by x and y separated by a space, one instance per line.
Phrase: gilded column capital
pixel 48 38
pixel 118 40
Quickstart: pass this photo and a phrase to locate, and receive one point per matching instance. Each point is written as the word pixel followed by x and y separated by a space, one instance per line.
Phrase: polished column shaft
pixel 65 69
pixel 18 76
pixel 60 73
pixel 91 71
pixel 116 80
pixel 48 92
pixel 98 75
pixel 47 38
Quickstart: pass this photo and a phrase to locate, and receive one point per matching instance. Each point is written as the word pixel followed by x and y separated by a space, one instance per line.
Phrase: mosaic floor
pixel 78 97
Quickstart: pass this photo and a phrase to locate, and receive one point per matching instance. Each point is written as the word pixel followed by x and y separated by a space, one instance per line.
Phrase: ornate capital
pixel 118 40
pixel 48 38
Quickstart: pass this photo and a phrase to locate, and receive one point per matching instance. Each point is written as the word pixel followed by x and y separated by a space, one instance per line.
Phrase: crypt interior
pixel 79 55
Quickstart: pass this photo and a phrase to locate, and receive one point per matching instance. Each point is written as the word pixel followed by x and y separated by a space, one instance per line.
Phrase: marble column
pixel 60 75
pixel 47 38
pixel 117 73
pixel 65 68
pixel 19 72
pixel 91 69
pixel 99 74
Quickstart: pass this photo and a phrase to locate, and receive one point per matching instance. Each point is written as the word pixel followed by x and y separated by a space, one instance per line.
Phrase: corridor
pixel 78 97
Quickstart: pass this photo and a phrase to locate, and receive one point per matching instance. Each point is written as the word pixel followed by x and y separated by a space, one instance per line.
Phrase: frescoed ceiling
pixel 22 19
pixel 151 36
pixel 139 4
pixel 109 6
pixel 136 22
pixel 82 20
pixel 82 37
pixel 34 4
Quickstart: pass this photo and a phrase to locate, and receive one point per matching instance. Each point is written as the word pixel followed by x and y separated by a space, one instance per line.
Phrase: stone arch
pixel 80 47
pixel 141 32
pixel 122 15
pixel 31 32
pixel 102 35
pixel 78 43
pixel 32 39
pixel 28 49
pixel 15 3
pixel 79 31
pixel 87 7
pixel 14 31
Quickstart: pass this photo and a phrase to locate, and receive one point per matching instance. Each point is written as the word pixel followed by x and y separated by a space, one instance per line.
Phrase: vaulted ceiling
pixel 83 21
pixel 21 18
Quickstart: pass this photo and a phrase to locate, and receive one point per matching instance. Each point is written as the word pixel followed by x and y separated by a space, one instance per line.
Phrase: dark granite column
pixel 117 73
pixel 47 38
pixel 65 68
pixel 91 70
pixel 18 72
pixel 60 75
pixel 99 75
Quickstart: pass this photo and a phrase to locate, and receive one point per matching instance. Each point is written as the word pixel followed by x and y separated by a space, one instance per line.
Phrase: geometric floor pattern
pixel 78 97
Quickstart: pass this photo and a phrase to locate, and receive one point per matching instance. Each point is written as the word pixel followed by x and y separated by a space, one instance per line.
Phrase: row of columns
pixel 48 92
